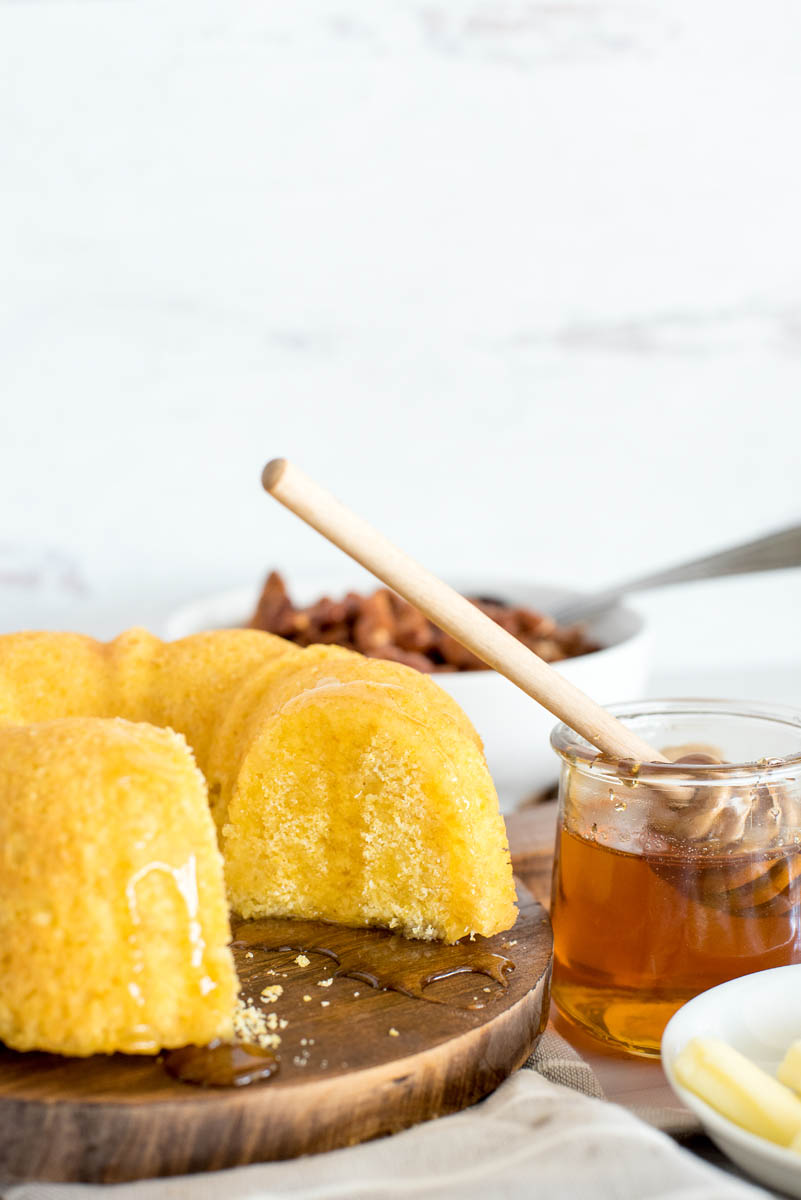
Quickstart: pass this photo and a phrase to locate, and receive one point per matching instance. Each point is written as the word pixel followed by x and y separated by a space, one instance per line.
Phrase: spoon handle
pixel 452 612
pixel 768 553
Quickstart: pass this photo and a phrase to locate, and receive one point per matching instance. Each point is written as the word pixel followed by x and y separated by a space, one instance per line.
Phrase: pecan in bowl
pixel 383 625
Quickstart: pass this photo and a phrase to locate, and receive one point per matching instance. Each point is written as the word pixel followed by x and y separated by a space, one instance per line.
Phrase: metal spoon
pixel 769 553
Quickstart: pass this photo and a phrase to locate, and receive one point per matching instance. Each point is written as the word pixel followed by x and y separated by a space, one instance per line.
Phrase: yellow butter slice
pixel 789 1071
pixel 739 1089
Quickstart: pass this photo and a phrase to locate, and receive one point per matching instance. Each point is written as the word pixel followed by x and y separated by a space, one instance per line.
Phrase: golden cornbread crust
pixel 344 788
pixel 113 925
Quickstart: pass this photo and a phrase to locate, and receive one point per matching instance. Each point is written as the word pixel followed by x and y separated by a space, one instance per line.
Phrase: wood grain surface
pixel 355 1062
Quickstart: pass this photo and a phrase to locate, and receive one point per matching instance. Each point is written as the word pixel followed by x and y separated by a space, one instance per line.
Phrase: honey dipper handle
pixel 452 612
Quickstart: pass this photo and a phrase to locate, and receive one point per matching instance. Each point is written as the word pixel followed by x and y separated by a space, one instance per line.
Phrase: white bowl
pixel 760 1015
pixel 514 728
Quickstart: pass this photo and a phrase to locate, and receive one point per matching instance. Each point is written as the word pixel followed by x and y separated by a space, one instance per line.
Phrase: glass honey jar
pixel 671 878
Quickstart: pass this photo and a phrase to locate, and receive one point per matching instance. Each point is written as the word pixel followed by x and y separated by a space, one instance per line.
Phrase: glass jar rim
pixel 577 752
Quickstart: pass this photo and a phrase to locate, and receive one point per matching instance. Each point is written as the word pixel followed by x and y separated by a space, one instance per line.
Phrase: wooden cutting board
pixel 355 1060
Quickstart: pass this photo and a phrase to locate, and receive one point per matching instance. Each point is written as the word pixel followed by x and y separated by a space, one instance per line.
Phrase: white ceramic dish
pixel 760 1015
pixel 515 729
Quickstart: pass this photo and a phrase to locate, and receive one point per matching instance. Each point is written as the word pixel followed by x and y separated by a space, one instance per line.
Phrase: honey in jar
pixel 636 935
pixel 668 884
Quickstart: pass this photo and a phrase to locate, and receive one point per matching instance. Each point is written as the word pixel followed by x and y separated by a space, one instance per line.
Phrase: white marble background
pixel 520 279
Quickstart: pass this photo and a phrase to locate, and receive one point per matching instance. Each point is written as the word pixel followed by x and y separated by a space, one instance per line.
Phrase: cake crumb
pixel 251 1025
pixel 302 960
pixel 357 993
pixel 486 989
pixel 271 993
pixel 307 998
pixel 324 1003
pixel 282 1024
pixel 393 1032
pixel 325 982
pixel 248 954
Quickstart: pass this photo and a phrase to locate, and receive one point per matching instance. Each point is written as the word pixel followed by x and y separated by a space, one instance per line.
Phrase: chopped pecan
pixel 384 625
pixel 375 625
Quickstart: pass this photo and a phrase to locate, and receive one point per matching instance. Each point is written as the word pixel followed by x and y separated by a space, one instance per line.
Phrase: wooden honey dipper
pixel 682 809
pixel 453 613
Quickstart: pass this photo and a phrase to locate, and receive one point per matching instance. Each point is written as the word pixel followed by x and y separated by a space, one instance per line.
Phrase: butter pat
pixel 790 1070
pixel 739 1089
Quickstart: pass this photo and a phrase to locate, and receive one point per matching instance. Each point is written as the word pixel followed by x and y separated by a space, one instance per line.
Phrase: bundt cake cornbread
pixel 113 923
pixel 344 788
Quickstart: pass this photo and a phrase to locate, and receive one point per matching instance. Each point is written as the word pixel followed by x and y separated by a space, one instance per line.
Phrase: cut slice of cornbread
pixel 359 794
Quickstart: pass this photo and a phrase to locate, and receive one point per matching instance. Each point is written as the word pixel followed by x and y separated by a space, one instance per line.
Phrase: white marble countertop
pixel 529 268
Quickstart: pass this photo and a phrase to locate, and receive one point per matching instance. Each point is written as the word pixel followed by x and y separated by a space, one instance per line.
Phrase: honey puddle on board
pixel 390 962
pixel 221 1064
pixel 383 960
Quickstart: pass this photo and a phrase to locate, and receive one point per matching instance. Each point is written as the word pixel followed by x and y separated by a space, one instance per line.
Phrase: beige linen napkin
pixel 533 1138
pixel 558 1061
